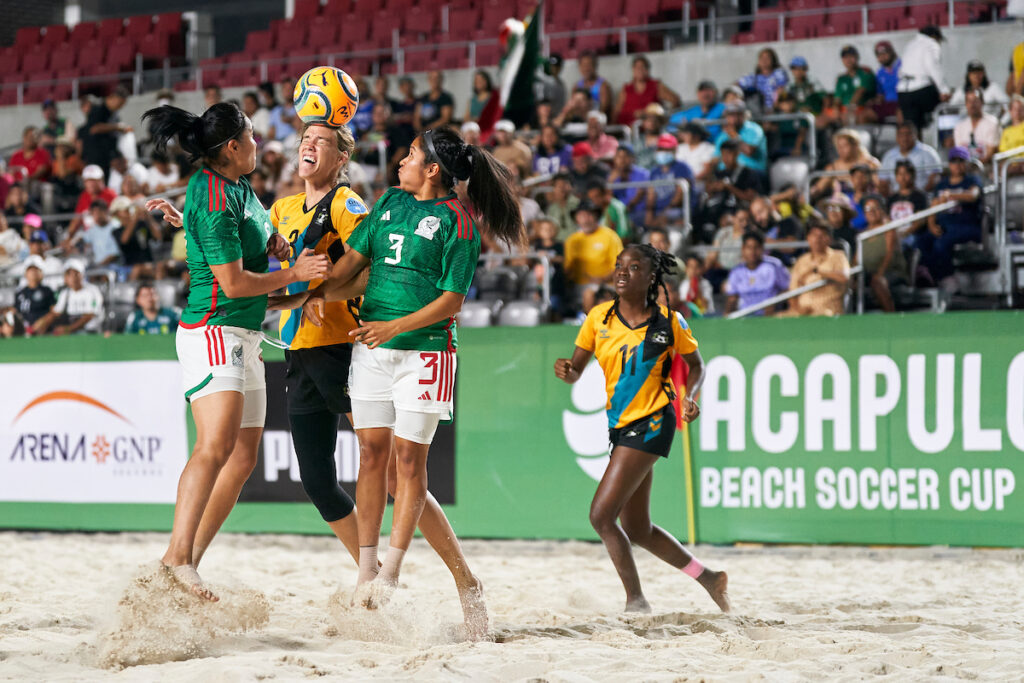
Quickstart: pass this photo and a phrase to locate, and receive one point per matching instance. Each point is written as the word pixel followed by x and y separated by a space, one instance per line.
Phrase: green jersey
pixel 417 250
pixel 847 85
pixel 164 323
pixel 224 222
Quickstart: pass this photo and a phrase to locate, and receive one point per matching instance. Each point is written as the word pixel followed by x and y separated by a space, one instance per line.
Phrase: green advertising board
pixel 875 429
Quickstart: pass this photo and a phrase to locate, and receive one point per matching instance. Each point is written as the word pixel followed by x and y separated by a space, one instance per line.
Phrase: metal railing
pixel 887 227
pixel 1000 171
pixel 787 295
pixel 683 184
pixel 545 286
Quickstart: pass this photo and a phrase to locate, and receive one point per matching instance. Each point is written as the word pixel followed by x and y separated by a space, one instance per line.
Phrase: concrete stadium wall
pixel 681 69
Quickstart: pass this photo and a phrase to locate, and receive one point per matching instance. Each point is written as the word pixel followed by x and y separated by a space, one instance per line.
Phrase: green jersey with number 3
pixel 418 250
pixel 224 222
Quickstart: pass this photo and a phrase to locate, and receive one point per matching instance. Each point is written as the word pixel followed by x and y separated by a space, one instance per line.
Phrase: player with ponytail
pixel 229 237
pixel 635 340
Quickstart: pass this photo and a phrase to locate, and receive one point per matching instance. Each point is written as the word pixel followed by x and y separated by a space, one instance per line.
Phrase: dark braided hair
pixel 662 264
pixel 490 187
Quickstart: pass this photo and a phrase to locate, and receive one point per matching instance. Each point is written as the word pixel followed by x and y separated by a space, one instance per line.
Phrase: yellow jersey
pixel 1013 137
pixel 324 228
pixel 636 361
pixel 591 256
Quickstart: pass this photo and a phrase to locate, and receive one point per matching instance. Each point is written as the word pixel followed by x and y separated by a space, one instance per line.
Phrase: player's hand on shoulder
pixel 310 266
pixel 278 247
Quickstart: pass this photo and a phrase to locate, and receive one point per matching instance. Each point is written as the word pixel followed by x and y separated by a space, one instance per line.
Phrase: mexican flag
pixel 514 98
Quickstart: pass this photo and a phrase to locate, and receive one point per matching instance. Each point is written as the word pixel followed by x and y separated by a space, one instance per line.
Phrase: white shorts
pixel 406 424
pixel 417 381
pixel 217 358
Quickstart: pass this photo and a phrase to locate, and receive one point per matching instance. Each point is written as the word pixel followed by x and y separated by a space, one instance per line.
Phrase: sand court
pixel 91 607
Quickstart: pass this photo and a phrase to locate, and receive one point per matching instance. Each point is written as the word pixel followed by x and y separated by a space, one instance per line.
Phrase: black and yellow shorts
pixel 653 434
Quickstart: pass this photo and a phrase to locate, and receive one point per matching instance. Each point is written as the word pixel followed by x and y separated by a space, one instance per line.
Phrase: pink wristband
pixel 694 569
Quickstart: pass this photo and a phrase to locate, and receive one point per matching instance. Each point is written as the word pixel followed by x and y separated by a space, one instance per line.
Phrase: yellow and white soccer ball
pixel 327 96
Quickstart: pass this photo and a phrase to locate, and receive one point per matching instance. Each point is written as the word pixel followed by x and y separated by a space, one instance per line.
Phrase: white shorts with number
pixel 217 358
pixel 417 381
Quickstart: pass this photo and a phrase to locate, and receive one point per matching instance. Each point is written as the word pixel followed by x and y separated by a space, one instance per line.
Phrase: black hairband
pixel 428 136
pixel 232 136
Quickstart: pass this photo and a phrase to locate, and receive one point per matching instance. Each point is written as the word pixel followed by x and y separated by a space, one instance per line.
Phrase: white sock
pixel 392 565
pixel 367 563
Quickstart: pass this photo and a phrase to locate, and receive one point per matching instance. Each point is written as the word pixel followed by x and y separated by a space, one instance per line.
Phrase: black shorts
pixel 317 379
pixel 653 434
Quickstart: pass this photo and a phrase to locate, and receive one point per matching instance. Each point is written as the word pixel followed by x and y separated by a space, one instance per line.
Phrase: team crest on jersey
pixel 236 357
pixel 659 338
pixel 322 217
pixel 355 206
pixel 428 226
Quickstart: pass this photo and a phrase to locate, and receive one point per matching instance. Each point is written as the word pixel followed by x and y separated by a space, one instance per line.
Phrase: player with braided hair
pixel 634 340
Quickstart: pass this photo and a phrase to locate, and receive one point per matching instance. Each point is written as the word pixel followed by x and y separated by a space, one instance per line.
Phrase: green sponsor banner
pixel 875 429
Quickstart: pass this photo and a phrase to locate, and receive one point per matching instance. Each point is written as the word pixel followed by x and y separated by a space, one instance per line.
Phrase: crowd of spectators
pixel 573 163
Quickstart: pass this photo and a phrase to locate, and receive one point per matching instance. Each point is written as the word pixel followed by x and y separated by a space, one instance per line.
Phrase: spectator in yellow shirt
pixel 590 252
pixel 1013 135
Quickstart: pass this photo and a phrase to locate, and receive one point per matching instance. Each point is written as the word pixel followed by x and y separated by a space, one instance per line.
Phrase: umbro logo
pixel 386 216
pixel 425 396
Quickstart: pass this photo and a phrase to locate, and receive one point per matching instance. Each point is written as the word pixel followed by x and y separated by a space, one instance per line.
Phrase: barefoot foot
pixel 474 611
pixel 638 605
pixel 188 577
pixel 717 586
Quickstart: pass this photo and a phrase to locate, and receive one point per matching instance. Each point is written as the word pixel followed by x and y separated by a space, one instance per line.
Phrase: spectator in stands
pixel 34 299
pixel 770 223
pixel 529 209
pixel 767 80
pixel 259 116
pixel 38 246
pixel 909 148
pixel 552 154
pixel 921 85
pixel 728 242
pixel 978 131
pixel 11 324
pixel 283 121
pixel 884 264
pixel 550 87
pixel 850 152
pixel 960 224
pixel 790 201
pixel 652 125
pixel 790 135
pixel 95 188
pixel 613 212
pixel 707 108
pixel 590 251
pixel 136 229
pixel 382 130
pixel 272 162
pixel 602 144
pixel 162 175
pixel 120 168
pixel 658 238
pixel 855 87
pixel 211 96
pixel 1013 135
pixel 585 169
pixel 54 127
pixel 887 77
pixel 546 242
pixel 640 92
pixel 598 88
pixel 807 92
pixel 471 134
pixel 18 204
pixel 79 307
pixel 103 127
pixel 561 205
pixel 748 136
pixel 98 237
pixel 756 279
pixel 31 162
pixel 133 191
pixel 66 177
pixel 543 115
pixel 258 180
pixel 362 120
pixel 839 212
pixel 976 78
pixel 508 150
pixel 908 198
pixel 149 317
pixel 483 91
pixel 695 151
pixel 625 171
pixel 13 246
pixel 436 108
pixel 820 262
pixel 732 186
pixel 403 112
pixel 695 290
pixel 862 183
pixel 665 202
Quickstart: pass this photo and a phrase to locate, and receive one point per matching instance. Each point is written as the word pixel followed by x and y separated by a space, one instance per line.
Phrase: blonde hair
pixel 851 135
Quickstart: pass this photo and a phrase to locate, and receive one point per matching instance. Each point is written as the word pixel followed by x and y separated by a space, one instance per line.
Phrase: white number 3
pixel 396 246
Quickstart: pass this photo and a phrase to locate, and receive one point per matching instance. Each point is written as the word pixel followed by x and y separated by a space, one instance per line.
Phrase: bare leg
pixel 372 486
pixel 636 522
pixel 626 471
pixel 218 418
pixel 410 492
pixel 880 287
pixel 347 531
pixel 225 492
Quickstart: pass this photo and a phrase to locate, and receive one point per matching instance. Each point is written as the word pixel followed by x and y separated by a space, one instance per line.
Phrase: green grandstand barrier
pixel 877 429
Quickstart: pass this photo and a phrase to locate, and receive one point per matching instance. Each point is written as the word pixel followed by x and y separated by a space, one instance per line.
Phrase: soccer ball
pixel 327 96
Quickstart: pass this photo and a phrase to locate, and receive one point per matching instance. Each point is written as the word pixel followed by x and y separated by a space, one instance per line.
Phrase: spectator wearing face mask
pixel 665 202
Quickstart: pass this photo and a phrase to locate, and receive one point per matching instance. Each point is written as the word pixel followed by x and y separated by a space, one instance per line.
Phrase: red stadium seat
pixel 462 23
pixel 63 57
pixel 110 29
pixel 27 37
pixel 453 57
pixel 90 56
pixel 422 20
pixel 805 26
pixel 184 86
pixel 561 46
pixel 885 19
pixel 306 9
pixel 418 60
pixel 120 56
pixel 382 25
pixel 488 54
pixel 593 42
pixel 766 27
pixel 795 5
pixel 66 74
pixel 138 27
pixel 82 33
pixel 169 24
pixel 56 34
pixel 323 35
pixel 934 13
pixel 843 23
pixel 8 95
pixel 745 38
pixel 155 46
pixel 337 8
pixel 604 11
pixel 35 61
pixel 291 35
pixel 259 40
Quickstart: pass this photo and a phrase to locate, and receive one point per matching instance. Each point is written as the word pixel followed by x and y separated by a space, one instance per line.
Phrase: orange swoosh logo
pixel 68 396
